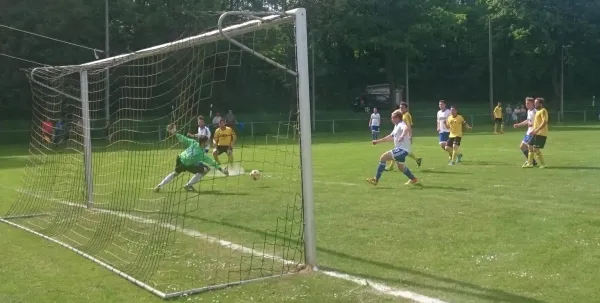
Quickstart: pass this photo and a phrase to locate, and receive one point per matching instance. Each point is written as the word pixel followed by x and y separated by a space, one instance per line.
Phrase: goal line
pixel 186 231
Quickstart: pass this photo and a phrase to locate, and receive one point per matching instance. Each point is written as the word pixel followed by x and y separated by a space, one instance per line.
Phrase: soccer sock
pixel 195 179
pixel 495 128
pixel 412 156
pixel 167 179
pixel 380 170
pixel 526 153
pixel 373 136
pixel 454 154
pixel 540 157
pixel 501 127
pixel 408 173
pixel 530 158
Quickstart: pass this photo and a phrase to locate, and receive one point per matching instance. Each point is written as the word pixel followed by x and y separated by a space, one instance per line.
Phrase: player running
pixel 498 118
pixel 455 123
pixel 401 136
pixel 374 123
pixel 407 119
pixel 224 141
pixel 529 104
pixel 539 134
pixel 203 130
pixel 442 129
pixel 191 160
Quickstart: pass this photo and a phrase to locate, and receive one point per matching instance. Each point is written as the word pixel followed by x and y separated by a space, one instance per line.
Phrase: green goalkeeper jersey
pixel 194 153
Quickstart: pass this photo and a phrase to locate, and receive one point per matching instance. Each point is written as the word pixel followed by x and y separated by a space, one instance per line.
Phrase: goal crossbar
pixel 269 21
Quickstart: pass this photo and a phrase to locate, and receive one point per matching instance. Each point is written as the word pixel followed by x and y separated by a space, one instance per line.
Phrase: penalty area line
pixel 382 288
pixel 378 288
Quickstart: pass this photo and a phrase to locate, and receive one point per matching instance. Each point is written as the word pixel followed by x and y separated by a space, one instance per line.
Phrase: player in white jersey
pixel 401 136
pixel 529 104
pixel 203 131
pixel 441 127
pixel 374 123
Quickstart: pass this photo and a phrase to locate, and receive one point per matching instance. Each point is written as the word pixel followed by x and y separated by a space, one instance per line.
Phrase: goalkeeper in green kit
pixel 193 160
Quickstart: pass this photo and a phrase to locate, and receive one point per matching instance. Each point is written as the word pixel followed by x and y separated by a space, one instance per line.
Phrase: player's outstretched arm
pixel 172 129
pixel 467 125
pixel 214 164
pixel 521 124
pixel 387 138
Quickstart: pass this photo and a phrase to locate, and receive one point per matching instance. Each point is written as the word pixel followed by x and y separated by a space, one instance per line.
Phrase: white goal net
pixel 119 175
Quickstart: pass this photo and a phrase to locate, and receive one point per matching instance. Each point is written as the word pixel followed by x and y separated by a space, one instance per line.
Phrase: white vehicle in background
pixel 376 96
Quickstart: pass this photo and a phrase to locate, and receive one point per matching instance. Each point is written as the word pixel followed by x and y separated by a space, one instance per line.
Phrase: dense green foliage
pixel 357 42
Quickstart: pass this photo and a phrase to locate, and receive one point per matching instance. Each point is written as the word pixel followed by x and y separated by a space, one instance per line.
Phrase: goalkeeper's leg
pixel 178 169
pixel 199 171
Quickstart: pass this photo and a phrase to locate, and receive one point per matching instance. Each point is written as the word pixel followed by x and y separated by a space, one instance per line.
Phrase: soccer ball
pixel 255 174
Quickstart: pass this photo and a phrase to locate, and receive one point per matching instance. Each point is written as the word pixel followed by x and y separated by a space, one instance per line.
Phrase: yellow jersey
pixel 407 118
pixel 455 124
pixel 540 117
pixel 224 137
pixel 498 112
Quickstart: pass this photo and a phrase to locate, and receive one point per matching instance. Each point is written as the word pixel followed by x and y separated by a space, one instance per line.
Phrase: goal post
pixel 89 187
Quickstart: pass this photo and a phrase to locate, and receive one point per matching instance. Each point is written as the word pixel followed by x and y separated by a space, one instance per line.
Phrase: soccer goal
pixel 122 125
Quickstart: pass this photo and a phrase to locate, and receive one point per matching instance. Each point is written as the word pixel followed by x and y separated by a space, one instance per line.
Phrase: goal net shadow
pixel 123 124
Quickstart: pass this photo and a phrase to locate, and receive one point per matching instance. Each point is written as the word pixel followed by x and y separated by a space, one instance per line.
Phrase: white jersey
pixel 375 119
pixel 442 117
pixel 204 131
pixel 403 143
pixel 530 116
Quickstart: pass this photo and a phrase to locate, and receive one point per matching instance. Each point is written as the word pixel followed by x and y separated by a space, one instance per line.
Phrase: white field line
pixel 384 289
pixel 188 232
pixel 377 287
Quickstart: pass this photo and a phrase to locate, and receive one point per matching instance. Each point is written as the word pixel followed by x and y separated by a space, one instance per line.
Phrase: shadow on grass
pixel 470 290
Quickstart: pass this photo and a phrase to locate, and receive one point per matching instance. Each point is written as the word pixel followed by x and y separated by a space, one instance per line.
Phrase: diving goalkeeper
pixel 193 160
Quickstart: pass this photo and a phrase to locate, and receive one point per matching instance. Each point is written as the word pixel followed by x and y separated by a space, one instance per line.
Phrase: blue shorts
pixel 375 128
pixel 399 154
pixel 526 138
pixel 444 137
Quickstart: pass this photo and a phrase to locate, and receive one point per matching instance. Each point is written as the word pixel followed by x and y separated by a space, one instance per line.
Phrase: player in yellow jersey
pixel 498 119
pixel 224 140
pixel 539 135
pixel 407 118
pixel 455 123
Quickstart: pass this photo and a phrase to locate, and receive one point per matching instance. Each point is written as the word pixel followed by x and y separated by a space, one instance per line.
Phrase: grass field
pixel 482 231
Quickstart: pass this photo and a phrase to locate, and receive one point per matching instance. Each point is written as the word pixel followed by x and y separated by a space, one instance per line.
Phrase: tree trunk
pixel 391 77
